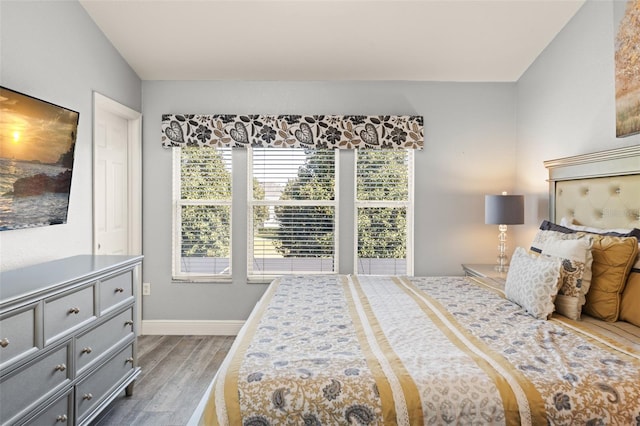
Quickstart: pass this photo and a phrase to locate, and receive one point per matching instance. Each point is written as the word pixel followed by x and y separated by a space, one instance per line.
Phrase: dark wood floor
pixel 176 371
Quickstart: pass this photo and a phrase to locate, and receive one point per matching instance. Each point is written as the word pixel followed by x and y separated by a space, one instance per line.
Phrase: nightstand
pixel 485 271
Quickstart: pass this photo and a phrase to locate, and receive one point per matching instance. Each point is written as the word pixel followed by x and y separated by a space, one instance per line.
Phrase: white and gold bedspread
pixel 340 349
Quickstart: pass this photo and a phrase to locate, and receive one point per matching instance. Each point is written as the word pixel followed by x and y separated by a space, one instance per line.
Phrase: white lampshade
pixel 504 209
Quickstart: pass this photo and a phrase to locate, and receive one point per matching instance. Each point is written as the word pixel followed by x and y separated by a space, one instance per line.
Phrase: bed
pixel 346 349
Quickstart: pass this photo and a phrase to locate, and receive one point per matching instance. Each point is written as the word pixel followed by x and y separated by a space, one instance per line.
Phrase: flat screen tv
pixel 37 142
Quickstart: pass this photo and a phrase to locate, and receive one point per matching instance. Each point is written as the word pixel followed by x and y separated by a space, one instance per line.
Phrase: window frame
pixel 244 204
pixel 176 230
pixel 409 205
pixel 251 203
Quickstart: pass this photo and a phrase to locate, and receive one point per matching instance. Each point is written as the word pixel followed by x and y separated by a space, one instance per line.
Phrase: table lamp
pixel 503 210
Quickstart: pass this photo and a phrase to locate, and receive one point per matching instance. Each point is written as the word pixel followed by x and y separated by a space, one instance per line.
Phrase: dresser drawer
pixel 95 343
pixel 116 290
pixel 59 413
pixel 33 382
pixel 91 391
pixel 18 334
pixel 64 313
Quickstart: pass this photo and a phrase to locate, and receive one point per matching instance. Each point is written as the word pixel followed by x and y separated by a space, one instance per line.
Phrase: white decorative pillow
pixel 543 237
pixel 575 273
pixel 532 282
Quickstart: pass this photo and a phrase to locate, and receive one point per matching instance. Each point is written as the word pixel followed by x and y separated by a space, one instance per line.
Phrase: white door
pixel 112 183
pixel 117 179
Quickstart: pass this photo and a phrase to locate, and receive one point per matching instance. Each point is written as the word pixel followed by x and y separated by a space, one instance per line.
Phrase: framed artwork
pixel 627 64
pixel 37 141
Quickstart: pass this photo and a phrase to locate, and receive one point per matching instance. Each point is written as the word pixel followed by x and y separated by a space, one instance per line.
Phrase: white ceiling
pixel 423 40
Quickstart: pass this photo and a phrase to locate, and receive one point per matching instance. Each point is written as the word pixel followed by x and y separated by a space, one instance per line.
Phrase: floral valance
pixel 294 131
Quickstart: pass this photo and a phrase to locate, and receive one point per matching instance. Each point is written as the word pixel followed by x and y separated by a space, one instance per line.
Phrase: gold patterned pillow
pixel 630 302
pixel 612 261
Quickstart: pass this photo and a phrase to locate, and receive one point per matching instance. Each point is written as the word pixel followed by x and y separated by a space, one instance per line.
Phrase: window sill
pixel 267 279
pixel 201 280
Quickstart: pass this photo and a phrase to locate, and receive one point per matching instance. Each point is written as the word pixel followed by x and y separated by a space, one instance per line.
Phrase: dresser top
pixel 21 283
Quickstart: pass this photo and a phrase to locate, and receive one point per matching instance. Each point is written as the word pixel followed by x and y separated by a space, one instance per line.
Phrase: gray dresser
pixel 67 338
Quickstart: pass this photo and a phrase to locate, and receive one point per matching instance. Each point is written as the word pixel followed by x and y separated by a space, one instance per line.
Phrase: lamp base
pixel 502 265
pixel 502 268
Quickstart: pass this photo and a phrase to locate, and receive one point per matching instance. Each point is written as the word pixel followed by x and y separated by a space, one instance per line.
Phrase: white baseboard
pixel 188 328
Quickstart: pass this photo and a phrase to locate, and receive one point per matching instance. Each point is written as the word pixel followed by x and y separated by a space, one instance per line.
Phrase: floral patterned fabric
pixel 294 131
pixel 532 282
pixel 575 273
pixel 367 350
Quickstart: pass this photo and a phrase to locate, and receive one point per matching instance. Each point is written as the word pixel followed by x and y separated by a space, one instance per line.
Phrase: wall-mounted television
pixel 37 142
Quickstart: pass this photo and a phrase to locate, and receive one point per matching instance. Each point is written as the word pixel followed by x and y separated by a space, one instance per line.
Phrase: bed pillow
pixel 532 282
pixel 612 261
pixel 618 232
pixel 630 301
pixel 550 226
pixel 575 273
pixel 544 237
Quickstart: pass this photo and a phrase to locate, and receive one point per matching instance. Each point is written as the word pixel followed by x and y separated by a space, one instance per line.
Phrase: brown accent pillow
pixel 630 303
pixel 612 261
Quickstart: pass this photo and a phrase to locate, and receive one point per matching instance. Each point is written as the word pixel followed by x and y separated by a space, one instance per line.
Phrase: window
pixel 384 211
pixel 290 199
pixel 202 213
pixel 293 209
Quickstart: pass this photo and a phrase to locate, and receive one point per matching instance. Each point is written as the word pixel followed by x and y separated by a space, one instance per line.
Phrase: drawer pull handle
pixel 61 418
pixel 128 322
pixel 119 290
pixel 87 396
pixel 60 367
pixel 4 342
pixel 74 311
pixel 129 360
pixel 86 350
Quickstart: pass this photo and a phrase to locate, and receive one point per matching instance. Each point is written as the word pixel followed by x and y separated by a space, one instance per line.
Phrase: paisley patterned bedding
pixel 336 349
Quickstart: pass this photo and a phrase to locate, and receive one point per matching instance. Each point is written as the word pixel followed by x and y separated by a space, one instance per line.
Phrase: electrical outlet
pixel 146 289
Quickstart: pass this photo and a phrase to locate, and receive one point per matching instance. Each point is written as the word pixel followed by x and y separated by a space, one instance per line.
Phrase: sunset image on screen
pixel 32 130
pixel 37 141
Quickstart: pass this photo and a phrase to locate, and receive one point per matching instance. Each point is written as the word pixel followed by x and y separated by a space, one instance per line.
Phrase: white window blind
pixel 384 211
pixel 202 213
pixel 293 211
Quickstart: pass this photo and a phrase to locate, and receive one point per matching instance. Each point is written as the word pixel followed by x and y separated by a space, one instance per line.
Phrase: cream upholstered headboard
pixel 601 189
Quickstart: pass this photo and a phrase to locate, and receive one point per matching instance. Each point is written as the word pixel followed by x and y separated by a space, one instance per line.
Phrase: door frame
pixel 134 169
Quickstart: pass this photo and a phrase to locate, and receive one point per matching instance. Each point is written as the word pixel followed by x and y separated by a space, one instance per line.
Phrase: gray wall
pixel 469 151
pixel 54 51
pixel 566 104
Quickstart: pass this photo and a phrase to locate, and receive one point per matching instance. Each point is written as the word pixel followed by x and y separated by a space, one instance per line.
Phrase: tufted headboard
pixel 601 189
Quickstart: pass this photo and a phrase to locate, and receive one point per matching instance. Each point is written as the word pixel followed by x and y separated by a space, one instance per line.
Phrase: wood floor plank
pixel 158 379
pixel 161 348
pixel 199 381
pixel 162 372
pixel 176 371
pixel 214 363
pixel 179 378
pixel 147 344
